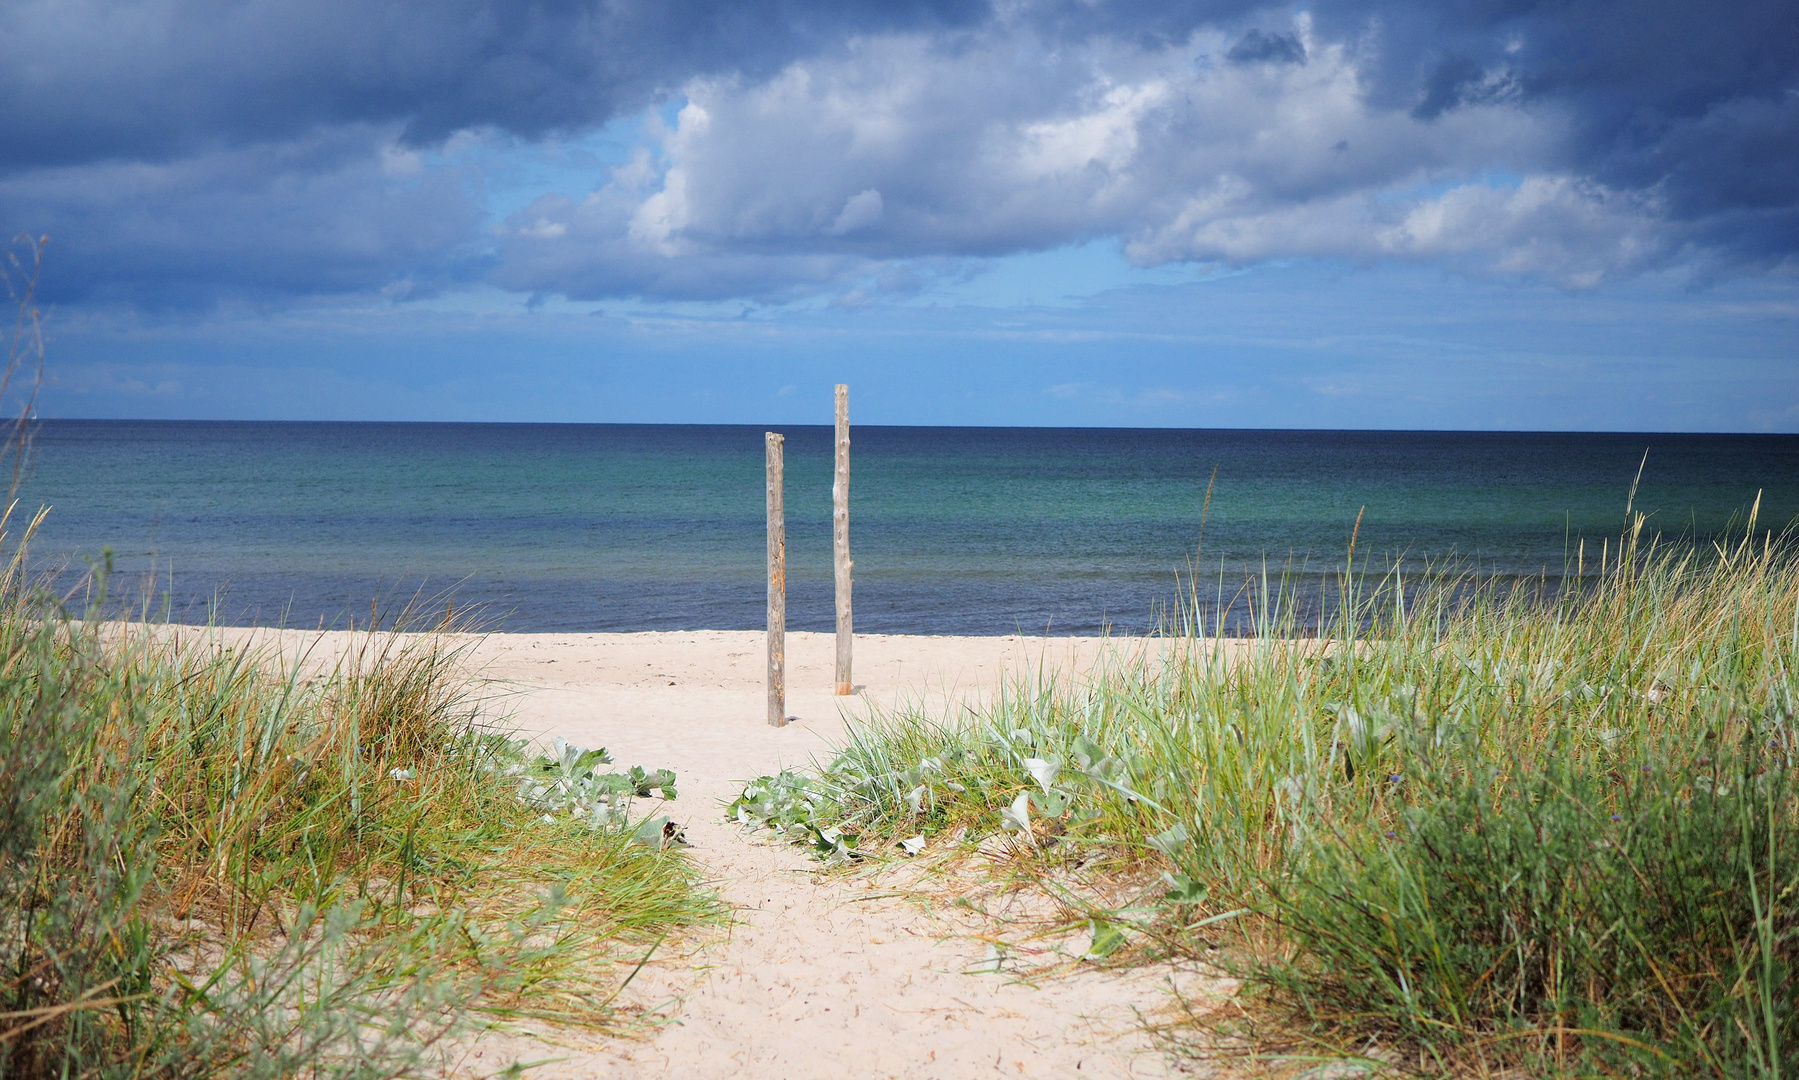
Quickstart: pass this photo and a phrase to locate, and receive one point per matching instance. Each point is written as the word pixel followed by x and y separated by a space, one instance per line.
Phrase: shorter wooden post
pixel 840 543
pixel 777 586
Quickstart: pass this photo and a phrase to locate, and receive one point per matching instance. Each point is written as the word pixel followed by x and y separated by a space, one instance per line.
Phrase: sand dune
pixel 820 975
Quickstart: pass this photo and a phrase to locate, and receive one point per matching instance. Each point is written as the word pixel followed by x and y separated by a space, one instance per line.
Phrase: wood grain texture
pixel 840 544
pixel 777 584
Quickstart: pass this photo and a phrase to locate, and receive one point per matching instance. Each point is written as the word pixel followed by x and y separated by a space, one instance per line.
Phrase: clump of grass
pixel 1478 824
pixel 1618 918
pixel 217 861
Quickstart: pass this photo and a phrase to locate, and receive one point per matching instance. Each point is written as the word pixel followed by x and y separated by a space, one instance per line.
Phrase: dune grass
pixel 219 861
pixel 1465 828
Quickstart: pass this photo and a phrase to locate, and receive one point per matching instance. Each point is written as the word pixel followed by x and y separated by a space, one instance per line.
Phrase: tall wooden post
pixel 777 586
pixel 840 542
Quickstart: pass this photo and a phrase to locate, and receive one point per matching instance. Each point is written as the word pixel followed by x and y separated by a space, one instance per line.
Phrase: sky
pixel 1513 214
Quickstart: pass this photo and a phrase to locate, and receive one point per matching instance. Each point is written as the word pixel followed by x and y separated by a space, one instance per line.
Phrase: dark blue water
pixel 954 530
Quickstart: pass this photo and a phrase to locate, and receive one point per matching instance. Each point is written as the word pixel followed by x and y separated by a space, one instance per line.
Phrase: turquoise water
pixel 954 530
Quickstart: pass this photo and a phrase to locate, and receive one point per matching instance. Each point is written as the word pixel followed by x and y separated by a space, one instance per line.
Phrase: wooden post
pixel 840 542
pixel 777 587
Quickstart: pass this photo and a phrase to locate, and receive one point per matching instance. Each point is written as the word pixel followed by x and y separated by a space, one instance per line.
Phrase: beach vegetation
pixel 224 860
pixel 1461 826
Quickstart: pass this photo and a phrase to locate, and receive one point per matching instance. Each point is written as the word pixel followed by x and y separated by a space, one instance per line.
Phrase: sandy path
pixel 820 976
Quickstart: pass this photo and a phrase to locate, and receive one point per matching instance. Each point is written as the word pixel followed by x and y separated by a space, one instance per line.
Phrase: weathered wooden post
pixel 840 542
pixel 777 586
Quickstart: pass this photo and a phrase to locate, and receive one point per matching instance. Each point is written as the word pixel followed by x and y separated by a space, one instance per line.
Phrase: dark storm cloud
pixel 1258 47
pixel 1697 101
pixel 184 149
pixel 334 213
pixel 1700 101
pixel 89 80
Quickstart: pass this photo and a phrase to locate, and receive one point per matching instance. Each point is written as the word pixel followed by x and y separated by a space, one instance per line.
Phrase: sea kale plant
pixel 1465 825
pixel 566 782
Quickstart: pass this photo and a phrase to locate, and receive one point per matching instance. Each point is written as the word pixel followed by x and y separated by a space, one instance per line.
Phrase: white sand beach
pixel 820 975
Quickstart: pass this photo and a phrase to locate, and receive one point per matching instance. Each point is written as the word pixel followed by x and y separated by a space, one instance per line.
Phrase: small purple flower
pixel 1615 817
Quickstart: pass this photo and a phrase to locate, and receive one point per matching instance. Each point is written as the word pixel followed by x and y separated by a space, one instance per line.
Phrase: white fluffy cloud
pixel 173 145
pixel 1550 227
pixel 905 146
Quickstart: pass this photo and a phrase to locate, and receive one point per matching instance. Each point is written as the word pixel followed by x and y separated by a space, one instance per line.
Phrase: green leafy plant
pixel 567 782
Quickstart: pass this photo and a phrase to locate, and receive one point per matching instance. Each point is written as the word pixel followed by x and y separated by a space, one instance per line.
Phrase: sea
pixel 954 530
